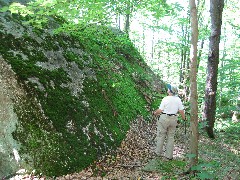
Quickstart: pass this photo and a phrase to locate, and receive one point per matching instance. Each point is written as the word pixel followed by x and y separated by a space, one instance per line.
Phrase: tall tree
pixel 216 9
pixel 185 52
pixel 193 84
pixel 127 17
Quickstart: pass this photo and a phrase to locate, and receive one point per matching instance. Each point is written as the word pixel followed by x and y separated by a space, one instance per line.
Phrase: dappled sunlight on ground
pixel 135 153
pixel 222 153
pixel 135 158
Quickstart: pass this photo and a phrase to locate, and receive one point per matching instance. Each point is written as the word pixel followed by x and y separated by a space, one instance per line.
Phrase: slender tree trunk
pixel 184 57
pixel 168 58
pixel 222 66
pixel 181 68
pixel 184 69
pixel 153 44
pixel 216 9
pixel 117 21
pixel 143 41
pixel 127 23
pixel 200 53
pixel 127 17
pixel 201 6
pixel 193 84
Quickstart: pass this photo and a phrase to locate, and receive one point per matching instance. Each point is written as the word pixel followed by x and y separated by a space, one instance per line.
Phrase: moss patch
pixel 165 167
pixel 84 88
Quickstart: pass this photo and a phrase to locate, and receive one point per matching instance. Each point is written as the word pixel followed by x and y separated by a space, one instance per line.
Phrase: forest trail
pixel 135 152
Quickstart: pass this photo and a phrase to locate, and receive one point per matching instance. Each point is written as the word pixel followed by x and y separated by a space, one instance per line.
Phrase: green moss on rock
pixel 90 86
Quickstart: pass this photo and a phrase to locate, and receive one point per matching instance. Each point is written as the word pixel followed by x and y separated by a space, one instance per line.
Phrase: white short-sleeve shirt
pixel 171 105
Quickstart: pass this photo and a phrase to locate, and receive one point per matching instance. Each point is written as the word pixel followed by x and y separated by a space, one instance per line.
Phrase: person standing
pixel 167 122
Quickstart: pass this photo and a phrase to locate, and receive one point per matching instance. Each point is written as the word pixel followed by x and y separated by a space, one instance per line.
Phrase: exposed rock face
pixel 9 157
pixel 67 98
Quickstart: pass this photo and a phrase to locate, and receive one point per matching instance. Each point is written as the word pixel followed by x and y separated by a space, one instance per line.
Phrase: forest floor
pixel 219 158
pixel 135 159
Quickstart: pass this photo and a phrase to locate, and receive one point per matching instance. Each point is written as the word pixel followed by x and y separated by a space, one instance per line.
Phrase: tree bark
pixel 184 55
pixel 193 84
pixel 127 23
pixel 127 17
pixel 216 9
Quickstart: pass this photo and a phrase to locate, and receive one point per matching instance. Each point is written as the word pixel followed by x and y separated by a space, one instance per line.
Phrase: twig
pixel 129 165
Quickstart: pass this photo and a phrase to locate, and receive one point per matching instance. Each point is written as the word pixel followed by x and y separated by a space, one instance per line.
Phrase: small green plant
pixel 205 170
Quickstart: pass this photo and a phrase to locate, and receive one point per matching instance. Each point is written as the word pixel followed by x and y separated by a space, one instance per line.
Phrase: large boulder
pixel 67 98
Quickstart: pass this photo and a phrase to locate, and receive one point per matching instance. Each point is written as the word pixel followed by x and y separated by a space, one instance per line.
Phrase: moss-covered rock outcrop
pixel 82 90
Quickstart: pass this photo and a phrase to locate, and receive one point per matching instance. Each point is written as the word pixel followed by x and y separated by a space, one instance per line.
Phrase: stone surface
pixel 9 156
pixel 74 97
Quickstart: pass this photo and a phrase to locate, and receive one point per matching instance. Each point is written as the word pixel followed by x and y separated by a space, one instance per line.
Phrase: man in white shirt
pixel 167 122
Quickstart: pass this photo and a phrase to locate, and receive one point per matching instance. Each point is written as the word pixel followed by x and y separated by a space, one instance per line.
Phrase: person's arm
pixel 157 112
pixel 182 114
pixel 161 107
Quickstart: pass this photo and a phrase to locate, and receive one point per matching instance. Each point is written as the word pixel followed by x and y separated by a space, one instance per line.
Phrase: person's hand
pixel 154 113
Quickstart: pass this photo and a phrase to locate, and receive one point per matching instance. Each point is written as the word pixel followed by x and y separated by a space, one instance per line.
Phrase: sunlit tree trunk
pixel 216 9
pixel 193 84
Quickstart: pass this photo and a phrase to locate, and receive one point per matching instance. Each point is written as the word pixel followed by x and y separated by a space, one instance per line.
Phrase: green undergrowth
pixel 220 157
pixel 166 168
pixel 70 131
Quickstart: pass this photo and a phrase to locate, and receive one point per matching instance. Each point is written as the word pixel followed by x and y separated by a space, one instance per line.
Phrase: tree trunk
pixel 153 44
pixel 193 85
pixel 216 9
pixel 127 17
pixel 200 54
pixel 184 55
pixel 127 24
pixel 184 69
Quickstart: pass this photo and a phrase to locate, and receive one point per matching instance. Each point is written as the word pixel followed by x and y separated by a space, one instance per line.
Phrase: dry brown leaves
pixel 133 154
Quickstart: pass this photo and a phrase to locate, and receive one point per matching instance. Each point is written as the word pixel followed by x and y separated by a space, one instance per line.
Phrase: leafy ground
pixel 135 159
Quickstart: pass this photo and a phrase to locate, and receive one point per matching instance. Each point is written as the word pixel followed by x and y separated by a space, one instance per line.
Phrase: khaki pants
pixel 166 127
